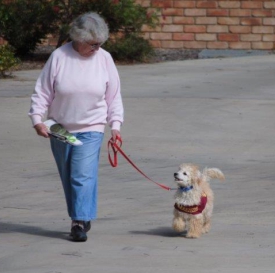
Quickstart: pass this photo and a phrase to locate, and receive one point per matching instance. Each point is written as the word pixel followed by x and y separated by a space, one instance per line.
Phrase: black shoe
pixel 78 233
pixel 87 225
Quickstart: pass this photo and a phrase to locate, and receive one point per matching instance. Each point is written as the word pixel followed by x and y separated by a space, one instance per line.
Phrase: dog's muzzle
pixel 176 177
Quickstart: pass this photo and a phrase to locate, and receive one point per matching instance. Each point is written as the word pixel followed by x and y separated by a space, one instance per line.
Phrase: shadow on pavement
pixel 32 230
pixel 160 231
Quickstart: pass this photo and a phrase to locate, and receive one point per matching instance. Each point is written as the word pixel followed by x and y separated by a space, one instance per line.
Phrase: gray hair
pixel 89 27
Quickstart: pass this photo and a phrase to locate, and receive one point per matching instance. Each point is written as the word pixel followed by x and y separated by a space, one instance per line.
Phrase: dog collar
pixel 196 209
pixel 185 189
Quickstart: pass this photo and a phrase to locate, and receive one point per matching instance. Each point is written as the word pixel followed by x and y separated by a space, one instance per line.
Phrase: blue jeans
pixel 78 170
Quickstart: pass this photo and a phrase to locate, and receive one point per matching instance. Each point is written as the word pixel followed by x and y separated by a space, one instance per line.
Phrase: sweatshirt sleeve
pixel 115 113
pixel 43 92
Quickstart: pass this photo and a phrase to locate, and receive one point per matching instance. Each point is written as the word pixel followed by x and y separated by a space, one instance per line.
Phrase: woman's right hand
pixel 41 130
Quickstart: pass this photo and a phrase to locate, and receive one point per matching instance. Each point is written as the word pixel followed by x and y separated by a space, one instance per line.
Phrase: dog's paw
pixel 205 230
pixel 178 224
pixel 192 235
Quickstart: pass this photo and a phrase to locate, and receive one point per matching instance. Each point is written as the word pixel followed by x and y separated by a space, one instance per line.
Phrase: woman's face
pixel 86 49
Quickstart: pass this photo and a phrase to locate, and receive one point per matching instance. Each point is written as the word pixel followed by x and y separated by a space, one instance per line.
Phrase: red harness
pixel 196 209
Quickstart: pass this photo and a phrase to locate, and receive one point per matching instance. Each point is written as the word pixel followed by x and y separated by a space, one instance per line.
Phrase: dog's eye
pixel 184 173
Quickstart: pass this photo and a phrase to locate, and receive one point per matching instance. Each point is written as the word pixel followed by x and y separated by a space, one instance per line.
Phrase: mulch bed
pixel 37 59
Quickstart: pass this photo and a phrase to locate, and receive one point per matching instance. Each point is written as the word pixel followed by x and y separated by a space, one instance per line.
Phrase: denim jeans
pixel 78 170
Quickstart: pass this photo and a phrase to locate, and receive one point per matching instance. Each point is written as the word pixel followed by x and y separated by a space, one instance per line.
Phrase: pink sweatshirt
pixel 81 93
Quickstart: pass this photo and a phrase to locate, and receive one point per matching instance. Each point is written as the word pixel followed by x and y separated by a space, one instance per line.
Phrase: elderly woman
pixel 79 88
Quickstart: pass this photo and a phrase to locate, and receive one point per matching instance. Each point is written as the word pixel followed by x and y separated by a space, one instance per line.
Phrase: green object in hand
pixel 59 130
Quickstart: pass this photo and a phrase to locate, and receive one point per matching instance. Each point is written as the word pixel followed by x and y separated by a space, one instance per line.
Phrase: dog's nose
pixel 175 175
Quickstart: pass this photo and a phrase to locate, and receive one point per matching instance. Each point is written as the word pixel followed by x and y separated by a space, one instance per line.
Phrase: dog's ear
pixel 213 173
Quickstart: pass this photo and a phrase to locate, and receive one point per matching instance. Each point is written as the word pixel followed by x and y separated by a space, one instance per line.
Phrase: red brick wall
pixel 211 24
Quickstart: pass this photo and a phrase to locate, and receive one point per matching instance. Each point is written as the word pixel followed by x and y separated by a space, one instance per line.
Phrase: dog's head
pixel 187 175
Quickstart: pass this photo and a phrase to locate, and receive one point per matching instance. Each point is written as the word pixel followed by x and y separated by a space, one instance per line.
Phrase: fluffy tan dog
pixel 194 199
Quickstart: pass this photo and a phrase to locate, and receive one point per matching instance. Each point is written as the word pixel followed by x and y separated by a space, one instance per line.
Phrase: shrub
pixel 7 60
pixel 25 23
pixel 125 19
pixel 131 47
pixel 121 15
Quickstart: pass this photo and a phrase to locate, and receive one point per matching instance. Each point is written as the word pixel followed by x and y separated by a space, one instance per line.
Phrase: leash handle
pixel 114 146
pixel 114 162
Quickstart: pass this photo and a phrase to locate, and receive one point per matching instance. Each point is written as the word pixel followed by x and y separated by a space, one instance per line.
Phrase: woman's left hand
pixel 115 135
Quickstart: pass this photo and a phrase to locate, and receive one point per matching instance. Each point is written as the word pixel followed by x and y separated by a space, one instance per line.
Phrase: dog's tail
pixel 213 173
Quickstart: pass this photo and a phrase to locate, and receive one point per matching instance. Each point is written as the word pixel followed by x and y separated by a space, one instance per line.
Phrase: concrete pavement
pixel 213 112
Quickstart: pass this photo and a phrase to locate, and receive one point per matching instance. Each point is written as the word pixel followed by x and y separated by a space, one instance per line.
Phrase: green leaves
pixel 125 19
pixel 7 59
pixel 25 23
pixel 130 48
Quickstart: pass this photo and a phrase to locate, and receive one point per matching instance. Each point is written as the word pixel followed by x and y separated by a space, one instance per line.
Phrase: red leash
pixel 117 148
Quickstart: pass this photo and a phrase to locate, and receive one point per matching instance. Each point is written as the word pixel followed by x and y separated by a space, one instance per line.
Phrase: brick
pixel 156 44
pixel 252 4
pixel 195 12
pixel 143 3
pixel 146 28
pixel 250 37
pixel 261 13
pixel 217 45
pixel 146 4
pixel 161 4
pixel 206 4
pixel 229 37
pixel 183 20
pixel 172 12
pixel 229 4
pixel 154 10
pixel 240 45
pixel 268 38
pixel 195 29
pixel 184 4
pixel 217 29
pixel 183 36
pixel 172 44
pixel 262 29
pixel 228 21
pixel 52 41
pixel 206 21
pixel 269 5
pixel 269 21
pixel 251 21
pixel 2 41
pixel 172 28
pixel 262 45
pixel 165 20
pixel 240 29
pixel 206 37
pixel 217 12
pixel 194 45
pixel 146 35
pixel 240 12
pixel 161 36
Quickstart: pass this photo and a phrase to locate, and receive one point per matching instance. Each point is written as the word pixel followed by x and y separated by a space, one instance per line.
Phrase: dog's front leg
pixel 178 222
pixel 195 228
